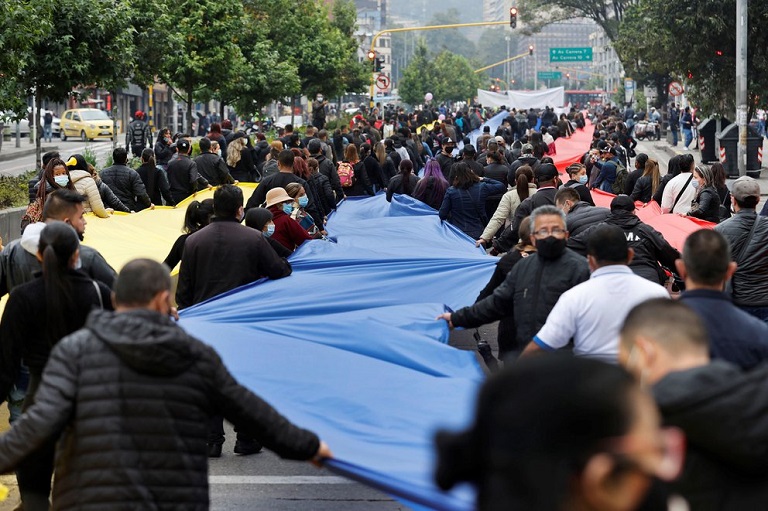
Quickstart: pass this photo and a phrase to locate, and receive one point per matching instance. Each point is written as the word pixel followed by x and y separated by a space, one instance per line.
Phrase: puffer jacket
pixel 530 291
pixel 583 215
pixel 125 446
pixel 464 208
pixel 723 412
pixel 109 198
pixel 328 169
pixel 649 245
pixel 749 288
pixel 86 185
pixel 127 186
pixel 643 190
pixel 526 159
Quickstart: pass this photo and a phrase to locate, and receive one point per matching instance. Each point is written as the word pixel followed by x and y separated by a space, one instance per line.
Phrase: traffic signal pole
pixel 510 59
pixel 741 84
pixel 416 29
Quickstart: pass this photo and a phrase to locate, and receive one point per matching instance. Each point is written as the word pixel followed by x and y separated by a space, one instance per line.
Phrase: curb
pixel 7 156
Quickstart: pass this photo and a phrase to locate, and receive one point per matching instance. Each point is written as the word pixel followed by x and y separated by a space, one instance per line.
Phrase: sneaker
pixel 246 447
pixel 214 450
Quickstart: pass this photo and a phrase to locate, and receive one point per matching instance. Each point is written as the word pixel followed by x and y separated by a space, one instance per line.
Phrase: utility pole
pixel 741 83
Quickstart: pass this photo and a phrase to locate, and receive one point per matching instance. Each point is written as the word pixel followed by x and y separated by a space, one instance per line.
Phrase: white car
pixel 10 127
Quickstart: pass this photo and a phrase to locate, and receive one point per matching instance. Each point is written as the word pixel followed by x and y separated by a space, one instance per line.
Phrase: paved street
pixel 15 161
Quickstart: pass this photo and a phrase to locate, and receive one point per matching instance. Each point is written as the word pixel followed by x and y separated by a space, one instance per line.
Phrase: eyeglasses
pixel 544 233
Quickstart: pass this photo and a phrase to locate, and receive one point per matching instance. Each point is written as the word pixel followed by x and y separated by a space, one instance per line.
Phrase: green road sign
pixel 549 75
pixel 570 54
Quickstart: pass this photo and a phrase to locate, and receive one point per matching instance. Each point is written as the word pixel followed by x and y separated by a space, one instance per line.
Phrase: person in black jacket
pixel 240 159
pixel 198 215
pixel 534 284
pixel 38 314
pixel 706 205
pixel 362 183
pixel 211 166
pixel 721 409
pixel 326 168
pixel 647 184
pixel 261 220
pixel 629 185
pixel 106 434
pixel 154 179
pixel 138 134
pixel 373 168
pixel 321 188
pixel 182 174
pixel 126 182
pixel 163 149
pixel 579 214
pixel 651 249
pixel 404 183
pixel 578 179
pixel 526 158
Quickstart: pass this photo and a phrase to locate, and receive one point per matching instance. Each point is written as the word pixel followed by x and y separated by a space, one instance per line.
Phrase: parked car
pixel 87 123
pixel 10 127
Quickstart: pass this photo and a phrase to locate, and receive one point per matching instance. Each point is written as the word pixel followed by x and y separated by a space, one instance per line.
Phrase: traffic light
pixel 513 17
pixel 530 50
pixel 689 75
pixel 567 76
pixel 719 53
pixel 379 65
pixel 371 55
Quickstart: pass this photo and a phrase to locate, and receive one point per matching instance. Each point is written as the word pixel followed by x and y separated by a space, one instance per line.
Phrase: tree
pixel 455 79
pixel 208 55
pixel 418 77
pixel 706 62
pixel 608 14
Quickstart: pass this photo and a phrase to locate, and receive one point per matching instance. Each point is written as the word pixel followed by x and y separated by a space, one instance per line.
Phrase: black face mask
pixel 550 248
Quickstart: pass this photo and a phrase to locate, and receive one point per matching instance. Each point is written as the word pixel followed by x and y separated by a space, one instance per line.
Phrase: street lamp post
pixel 741 83
pixel 508 65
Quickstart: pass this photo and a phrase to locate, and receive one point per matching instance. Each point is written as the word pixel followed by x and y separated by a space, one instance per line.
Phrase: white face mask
pixel 218 152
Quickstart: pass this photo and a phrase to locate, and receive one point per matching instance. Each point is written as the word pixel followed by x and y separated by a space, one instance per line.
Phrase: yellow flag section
pixel 149 233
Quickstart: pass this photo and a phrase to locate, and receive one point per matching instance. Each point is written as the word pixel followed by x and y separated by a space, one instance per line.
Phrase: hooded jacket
pixel 724 414
pixel 123 445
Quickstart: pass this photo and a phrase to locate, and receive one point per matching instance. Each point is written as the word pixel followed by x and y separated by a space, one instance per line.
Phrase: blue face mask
pixel 62 180
pixel 303 201
pixel 583 179
pixel 270 230
pixel 288 209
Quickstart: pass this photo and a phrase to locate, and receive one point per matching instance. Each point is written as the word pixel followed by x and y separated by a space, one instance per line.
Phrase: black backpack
pixel 137 134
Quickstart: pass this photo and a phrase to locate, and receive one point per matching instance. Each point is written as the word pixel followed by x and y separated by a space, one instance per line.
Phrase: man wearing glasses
pixel 534 284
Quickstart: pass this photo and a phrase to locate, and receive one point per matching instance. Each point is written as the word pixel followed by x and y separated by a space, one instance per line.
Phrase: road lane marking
pixel 220 480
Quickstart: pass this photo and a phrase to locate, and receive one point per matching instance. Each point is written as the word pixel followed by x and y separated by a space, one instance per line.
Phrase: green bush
pixel 14 191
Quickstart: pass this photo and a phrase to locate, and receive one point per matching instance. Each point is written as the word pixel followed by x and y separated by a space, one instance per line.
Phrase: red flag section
pixel 675 228
pixel 570 150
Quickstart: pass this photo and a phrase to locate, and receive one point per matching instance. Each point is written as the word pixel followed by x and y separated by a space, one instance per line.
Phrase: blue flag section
pixel 348 346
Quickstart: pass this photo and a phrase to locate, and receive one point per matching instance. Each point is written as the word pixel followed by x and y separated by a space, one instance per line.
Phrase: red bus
pixel 583 98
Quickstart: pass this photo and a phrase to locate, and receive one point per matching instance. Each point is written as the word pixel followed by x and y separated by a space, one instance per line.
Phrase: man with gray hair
pixel 534 284
pixel 747 233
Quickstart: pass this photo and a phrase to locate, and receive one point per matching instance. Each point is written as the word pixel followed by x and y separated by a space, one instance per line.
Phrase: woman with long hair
pixel 404 182
pixel 199 214
pixel 674 168
pixel 510 201
pixel 86 186
pixel 387 165
pixel 163 150
pixel 464 202
pixel 373 168
pixel 432 187
pixel 362 183
pixel 648 183
pixel 706 205
pixel 37 316
pixel 240 159
pixel 718 180
pixel 154 179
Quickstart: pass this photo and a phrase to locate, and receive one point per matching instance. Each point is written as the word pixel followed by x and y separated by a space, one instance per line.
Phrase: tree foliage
pixel 695 42
pixel 608 14
pixel 449 77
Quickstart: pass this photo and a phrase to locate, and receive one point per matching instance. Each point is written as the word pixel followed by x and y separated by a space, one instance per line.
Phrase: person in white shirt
pixel 679 192
pixel 593 312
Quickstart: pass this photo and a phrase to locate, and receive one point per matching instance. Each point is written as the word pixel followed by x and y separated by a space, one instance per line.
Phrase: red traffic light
pixel 530 50
pixel 513 17
pixel 371 54
pixel 719 53
pixel 513 11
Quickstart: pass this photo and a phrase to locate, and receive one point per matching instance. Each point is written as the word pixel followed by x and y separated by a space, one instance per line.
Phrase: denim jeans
pixel 48 132
pixel 674 138
pixel 16 396
pixel 688 137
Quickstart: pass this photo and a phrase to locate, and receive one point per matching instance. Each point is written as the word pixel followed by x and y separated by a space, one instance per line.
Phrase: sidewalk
pixel 9 151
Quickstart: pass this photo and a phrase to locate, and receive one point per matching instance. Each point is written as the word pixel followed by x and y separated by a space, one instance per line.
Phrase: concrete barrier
pixel 10 222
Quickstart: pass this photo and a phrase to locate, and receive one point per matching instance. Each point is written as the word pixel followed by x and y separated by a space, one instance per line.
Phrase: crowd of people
pixel 81 347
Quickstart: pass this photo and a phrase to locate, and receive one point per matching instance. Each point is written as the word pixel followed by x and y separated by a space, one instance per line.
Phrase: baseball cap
pixel 182 145
pixel 622 202
pixel 449 141
pixel 500 140
pixel 745 187
pixel 546 172
pixel 526 149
